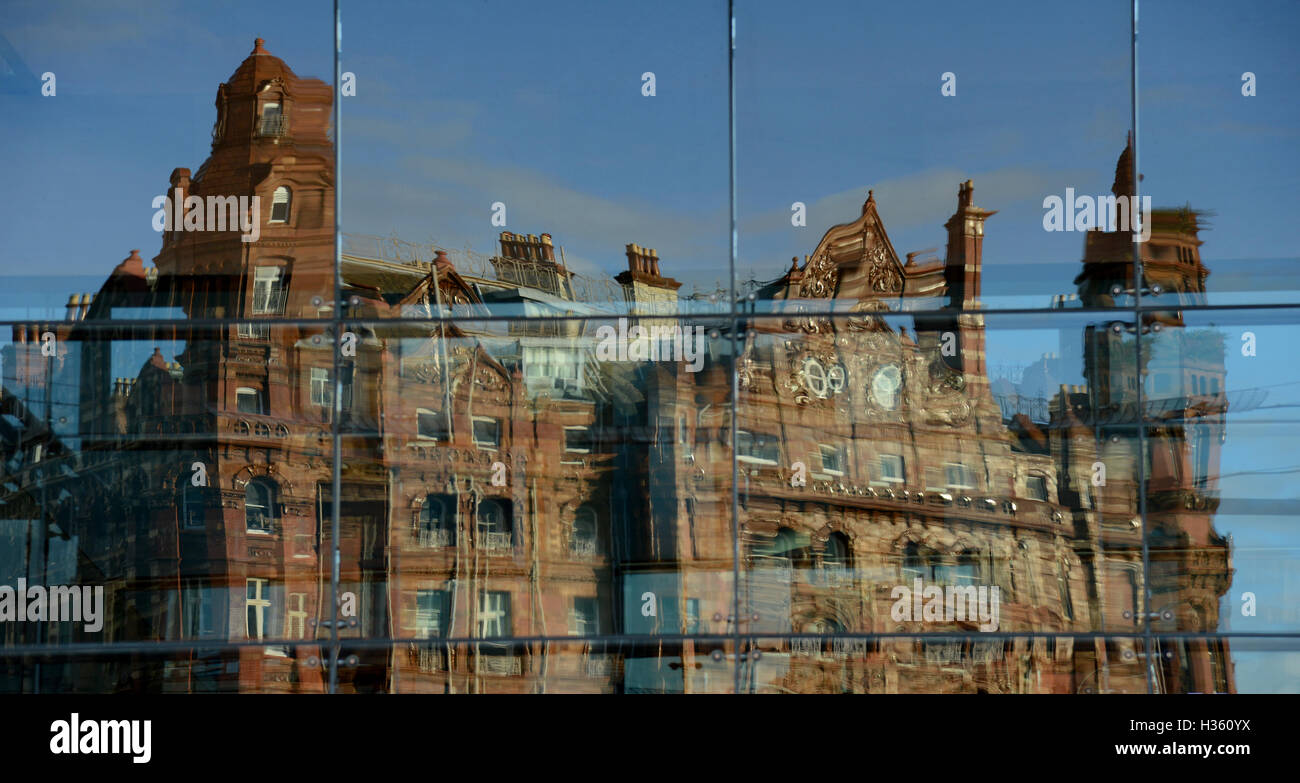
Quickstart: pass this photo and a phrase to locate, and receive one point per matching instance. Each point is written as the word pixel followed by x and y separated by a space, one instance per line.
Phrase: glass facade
pixel 519 348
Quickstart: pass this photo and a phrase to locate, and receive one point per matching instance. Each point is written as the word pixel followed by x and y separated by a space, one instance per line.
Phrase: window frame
pixel 881 460
pixel 321 387
pixel 270 513
pixel 286 202
pixel 485 445
pixel 753 438
pixel 244 392
pixel 840 455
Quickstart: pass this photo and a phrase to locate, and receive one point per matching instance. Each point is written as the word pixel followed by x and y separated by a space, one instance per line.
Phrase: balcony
pixel 496 541
pixel 254 331
pixel 274 127
pixel 427 658
pixel 270 302
pixel 583 549
pixel 504 665
pixel 433 538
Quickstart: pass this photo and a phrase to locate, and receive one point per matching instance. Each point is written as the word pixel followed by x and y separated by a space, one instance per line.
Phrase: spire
pixel 1123 185
pixel 257 47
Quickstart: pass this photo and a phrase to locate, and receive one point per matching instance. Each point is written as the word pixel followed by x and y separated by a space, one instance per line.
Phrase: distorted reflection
pixel 548 504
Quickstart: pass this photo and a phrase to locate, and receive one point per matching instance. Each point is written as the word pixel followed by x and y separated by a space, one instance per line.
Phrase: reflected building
pixel 516 513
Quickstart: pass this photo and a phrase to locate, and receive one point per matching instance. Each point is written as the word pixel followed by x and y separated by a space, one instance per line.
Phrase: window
pixel 272 120
pixel 493 614
pixel 249 400
pixel 577 439
pixel 494 524
pixel 438 521
pixel 192 507
pixel 431 425
pixel 260 505
pixel 199 606
pixel 836 554
pixel 833 459
pixel 692 620
pixel 257 606
pixel 584 619
pixel 959 476
pixel 297 624
pixel 781 552
pixel 1037 486
pixel 1063 583
pixel 891 468
pixel 280 205
pixel 966 570
pixel 914 564
pixel 487 433
pixel 583 542
pixel 1200 456
pixel 322 391
pixel 346 373
pixel 268 290
pixel 432 612
pixel 751 447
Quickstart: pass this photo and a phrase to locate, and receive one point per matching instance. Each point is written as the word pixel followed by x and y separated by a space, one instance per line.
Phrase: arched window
pixel 494 524
pixel 192 506
pixel 914 564
pixel 780 553
pixel 438 521
pixel 835 558
pixel 260 502
pixel 280 205
pixel 1200 455
pixel 1063 584
pixel 273 123
pixel 583 543
pixel 967 570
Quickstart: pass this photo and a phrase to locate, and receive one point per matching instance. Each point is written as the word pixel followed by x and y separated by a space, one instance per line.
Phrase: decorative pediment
pixel 854 260
pixel 451 291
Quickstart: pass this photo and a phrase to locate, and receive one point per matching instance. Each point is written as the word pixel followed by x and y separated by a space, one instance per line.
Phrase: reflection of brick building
pixel 495 480
pixel 919 474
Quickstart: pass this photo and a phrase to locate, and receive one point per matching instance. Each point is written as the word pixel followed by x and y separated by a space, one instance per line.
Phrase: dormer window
pixel 280 205
pixel 272 120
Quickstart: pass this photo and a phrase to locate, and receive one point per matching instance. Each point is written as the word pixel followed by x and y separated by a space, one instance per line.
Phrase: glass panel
pixel 989 459
pixel 563 665
pixel 141 501
pixel 104 152
pixel 873 142
pixel 470 510
pixel 216 669
pixel 830 663
pixel 1218 151
pixel 1231 665
pixel 582 169
pixel 1221 507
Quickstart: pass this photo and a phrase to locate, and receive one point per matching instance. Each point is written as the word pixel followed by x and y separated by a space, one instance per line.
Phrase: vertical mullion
pixel 1138 277
pixel 337 323
pixel 734 336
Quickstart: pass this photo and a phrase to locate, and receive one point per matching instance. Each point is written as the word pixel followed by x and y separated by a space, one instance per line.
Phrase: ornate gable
pixel 854 261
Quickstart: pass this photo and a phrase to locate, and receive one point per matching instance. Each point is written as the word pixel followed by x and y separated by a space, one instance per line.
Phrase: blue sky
pixel 539 105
